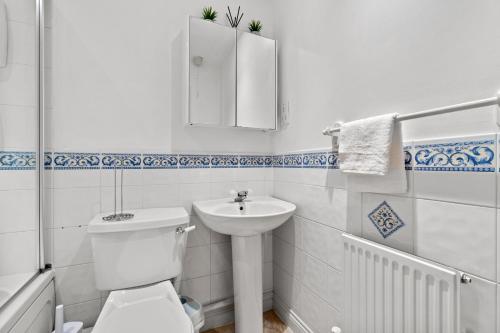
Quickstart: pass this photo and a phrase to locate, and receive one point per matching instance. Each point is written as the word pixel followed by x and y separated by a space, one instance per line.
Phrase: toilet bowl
pixel 135 259
pixel 154 308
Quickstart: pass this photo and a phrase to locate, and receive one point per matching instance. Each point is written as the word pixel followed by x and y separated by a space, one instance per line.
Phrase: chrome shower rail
pixel 433 112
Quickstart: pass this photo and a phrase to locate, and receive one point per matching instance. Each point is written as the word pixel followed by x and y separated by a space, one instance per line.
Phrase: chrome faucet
pixel 241 196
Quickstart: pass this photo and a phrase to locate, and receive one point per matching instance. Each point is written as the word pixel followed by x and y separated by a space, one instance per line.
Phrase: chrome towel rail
pixel 433 112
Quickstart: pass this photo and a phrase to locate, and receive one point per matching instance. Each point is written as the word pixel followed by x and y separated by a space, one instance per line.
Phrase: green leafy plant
pixel 209 14
pixel 255 26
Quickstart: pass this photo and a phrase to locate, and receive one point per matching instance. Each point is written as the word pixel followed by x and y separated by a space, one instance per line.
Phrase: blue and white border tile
pixel 160 161
pixel 67 161
pixel 277 161
pixel 224 161
pixel 253 161
pixel 17 160
pixel 408 154
pixel 293 160
pixel 315 160
pixel 460 155
pixel 47 160
pixel 194 161
pixel 121 161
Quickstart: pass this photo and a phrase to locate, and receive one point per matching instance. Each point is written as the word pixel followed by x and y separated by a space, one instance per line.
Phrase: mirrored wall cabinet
pixel 232 77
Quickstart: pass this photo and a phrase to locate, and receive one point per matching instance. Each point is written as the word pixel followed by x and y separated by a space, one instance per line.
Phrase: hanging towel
pixel 371 154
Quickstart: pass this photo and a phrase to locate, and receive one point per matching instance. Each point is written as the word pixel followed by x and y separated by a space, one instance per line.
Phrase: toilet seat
pixel 154 308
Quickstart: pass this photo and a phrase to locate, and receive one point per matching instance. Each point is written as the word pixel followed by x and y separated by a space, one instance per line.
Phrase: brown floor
pixel 272 324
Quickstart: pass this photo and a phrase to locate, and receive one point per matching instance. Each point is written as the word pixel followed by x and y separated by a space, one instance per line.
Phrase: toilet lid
pixel 154 308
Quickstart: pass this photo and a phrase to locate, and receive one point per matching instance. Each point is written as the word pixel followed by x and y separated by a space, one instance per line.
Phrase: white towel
pixel 371 153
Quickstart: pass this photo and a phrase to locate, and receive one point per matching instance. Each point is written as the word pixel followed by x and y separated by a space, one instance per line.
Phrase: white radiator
pixel 388 291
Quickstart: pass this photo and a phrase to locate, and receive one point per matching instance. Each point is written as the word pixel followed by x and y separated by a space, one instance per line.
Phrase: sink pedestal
pixel 247 280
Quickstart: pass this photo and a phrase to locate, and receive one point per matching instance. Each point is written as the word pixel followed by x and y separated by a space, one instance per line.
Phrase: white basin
pixel 253 216
pixel 245 222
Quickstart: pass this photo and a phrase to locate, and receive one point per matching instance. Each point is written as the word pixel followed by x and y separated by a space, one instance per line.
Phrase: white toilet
pixel 135 259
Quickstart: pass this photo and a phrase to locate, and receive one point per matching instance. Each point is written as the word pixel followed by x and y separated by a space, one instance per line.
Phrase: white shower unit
pixel 389 291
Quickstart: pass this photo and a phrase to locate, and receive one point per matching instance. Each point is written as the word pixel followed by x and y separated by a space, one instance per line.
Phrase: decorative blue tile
pixel 47 160
pixel 333 162
pixel 121 161
pixel 292 161
pixel 315 160
pixel 252 161
pixel 194 161
pixel 476 156
pixel 76 161
pixel 17 160
pixel 268 161
pixel 385 219
pixel 159 161
pixel 224 161
pixel 277 161
pixel 408 158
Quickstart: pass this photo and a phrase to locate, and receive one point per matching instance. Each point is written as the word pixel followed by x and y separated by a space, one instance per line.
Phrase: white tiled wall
pixel 80 194
pixel 18 133
pixel 450 216
pixel 308 256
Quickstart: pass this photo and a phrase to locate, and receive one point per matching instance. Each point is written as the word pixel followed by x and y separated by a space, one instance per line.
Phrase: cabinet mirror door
pixel 212 74
pixel 256 81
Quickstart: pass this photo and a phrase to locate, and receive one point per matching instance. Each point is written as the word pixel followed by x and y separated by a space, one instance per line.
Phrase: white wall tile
pixel 17 86
pixel 216 237
pixel 286 288
pixel 18 210
pixel 160 176
pixel 76 178
pixel 198 288
pixel 194 176
pixel 287 257
pixel 18 179
pixel 317 313
pixel 457 235
pixel 189 193
pixel 314 274
pixel 18 125
pixel 18 252
pixel 131 177
pixel 71 246
pixel 21 10
pixel 335 288
pixel 402 238
pixel 221 286
pixel 86 312
pixel 200 235
pixel 220 258
pixel 315 239
pixel 155 196
pixel 267 247
pixel 75 206
pixel 21 43
pixel 132 198
pixel 196 262
pixel 449 186
pixel 290 231
pixel 267 276
pixel 75 284
pixel 335 249
pixel 478 306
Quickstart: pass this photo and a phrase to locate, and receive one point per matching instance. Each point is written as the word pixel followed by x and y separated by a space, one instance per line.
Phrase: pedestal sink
pixel 245 222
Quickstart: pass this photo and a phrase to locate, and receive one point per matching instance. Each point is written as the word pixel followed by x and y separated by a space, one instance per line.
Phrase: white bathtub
pixel 32 309
pixel 10 284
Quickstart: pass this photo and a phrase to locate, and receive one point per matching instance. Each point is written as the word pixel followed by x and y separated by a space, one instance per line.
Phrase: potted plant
pixel 209 14
pixel 255 27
